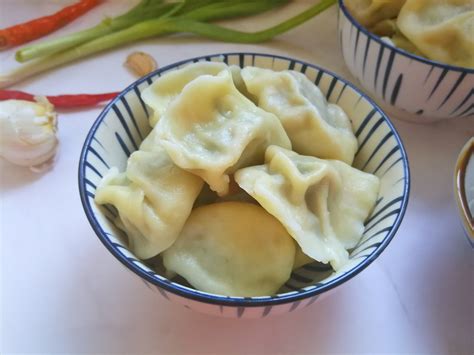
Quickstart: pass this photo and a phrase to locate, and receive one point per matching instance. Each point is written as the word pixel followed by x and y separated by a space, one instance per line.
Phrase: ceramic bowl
pixel 464 188
pixel 123 124
pixel 408 86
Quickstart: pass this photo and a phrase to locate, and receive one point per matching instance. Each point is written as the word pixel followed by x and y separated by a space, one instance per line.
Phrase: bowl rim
pixel 465 156
pixel 221 300
pixel 400 51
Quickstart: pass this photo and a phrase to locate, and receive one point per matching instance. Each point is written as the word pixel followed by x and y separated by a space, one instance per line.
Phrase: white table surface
pixel 61 291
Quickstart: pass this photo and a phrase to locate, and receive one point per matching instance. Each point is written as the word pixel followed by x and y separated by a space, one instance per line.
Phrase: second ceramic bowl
pixel 409 86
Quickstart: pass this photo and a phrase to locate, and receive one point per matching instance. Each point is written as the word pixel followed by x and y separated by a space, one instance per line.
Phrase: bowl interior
pixel 123 124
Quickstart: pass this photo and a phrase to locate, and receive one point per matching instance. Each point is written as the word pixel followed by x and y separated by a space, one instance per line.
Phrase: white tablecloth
pixel 61 291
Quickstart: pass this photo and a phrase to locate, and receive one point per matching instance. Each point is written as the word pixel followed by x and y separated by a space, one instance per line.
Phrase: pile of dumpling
pixel 441 30
pixel 244 176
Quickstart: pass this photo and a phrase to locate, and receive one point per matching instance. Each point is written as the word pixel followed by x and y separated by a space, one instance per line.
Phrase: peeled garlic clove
pixel 28 132
pixel 140 63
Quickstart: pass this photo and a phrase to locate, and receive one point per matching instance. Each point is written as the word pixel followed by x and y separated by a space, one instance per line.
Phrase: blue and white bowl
pixel 124 123
pixel 409 86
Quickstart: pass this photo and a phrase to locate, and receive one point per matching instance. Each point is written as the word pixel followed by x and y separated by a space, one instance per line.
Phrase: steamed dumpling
pixel 232 249
pixel 370 12
pixel 442 30
pixel 211 130
pixel 322 203
pixel 164 89
pixel 315 127
pixel 153 198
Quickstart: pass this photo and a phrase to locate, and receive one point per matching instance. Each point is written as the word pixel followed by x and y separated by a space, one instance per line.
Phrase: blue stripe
pixel 125 126
pixel 313 299
pixel 393 151
pixel 377 67
pixel 122 144
pixel 90 194
pixel 139 96
pixel 381 143
pixel 341 92
pixel 294 306
pixel 90 183
pixel 291 66
pixel 93 151
pixel 365 122
pixel 387 205
pixel 365 240
pixel 455 86
pixel 131 115
pixel 90 166
pixel 429 73
pixel 331 88
pixel 375 245
pixel 303 68
pixel 394 212
pixel 300 278
pixel 163 293
pixel 99 143
pixel 356 45
pixel 396 89
pixel 241 60
pixel 266 311
pixel 318 77
pixel 372 130
pixel 440 79
pixel 226 59
pixel 320 268
pixel 469 95
pixel 466 112
pixel 388 71
pixel 392 165
pixel 366 52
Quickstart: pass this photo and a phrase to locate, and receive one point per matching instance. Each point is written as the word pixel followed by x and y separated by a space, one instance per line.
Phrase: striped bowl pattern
pixel 124 123
pixel 413 88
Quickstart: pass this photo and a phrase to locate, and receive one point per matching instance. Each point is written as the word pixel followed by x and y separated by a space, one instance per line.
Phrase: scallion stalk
pixel 189 22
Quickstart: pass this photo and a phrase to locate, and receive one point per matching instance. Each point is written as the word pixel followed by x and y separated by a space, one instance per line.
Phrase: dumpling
pixel 322 203
pixel 370 12
pixel 159 94
pixel 153 198
pixel 315 127
pixel 211 130
pixel 442 30
pixel 232 249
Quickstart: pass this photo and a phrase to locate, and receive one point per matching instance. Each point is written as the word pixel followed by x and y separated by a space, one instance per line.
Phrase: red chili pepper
pixel 28 31
pixel 61 101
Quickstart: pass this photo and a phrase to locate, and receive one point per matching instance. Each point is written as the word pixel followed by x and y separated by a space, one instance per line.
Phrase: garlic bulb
pixel 28 132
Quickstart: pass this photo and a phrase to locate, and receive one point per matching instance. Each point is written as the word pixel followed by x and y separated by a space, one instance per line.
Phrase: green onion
pixel 187 17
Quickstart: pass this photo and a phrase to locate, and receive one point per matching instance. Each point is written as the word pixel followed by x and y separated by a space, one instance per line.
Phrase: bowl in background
pixel 123 124
pixel 411 87
pixel 464 188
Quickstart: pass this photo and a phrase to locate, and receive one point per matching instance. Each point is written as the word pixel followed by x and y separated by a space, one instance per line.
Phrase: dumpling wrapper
pixel 164 89
pixel 232 249
pixel 153 197
pixel 322 203
pixel 370 12
pixel 212 130
pixel 443 30
pixel 315 127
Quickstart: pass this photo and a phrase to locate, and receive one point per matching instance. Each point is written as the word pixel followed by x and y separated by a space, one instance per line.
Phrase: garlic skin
pixel 28 132
pixel 140 63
